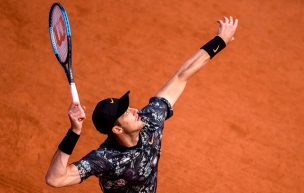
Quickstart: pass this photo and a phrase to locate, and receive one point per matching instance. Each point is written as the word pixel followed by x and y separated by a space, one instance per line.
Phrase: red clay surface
pixel 238 127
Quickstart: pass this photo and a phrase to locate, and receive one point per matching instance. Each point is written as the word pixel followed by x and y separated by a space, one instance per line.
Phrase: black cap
pixel 108 111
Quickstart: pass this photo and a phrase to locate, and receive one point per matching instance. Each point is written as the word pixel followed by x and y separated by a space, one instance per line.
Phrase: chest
pixel 132 168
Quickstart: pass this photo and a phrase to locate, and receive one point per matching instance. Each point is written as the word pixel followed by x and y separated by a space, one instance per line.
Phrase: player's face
pixel 130 121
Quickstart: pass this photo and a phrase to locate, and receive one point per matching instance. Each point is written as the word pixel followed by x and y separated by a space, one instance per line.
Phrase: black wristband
pixel 214 46
pixel 69 142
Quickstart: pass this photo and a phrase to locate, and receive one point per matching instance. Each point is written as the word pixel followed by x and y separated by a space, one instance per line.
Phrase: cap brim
pixel 123 104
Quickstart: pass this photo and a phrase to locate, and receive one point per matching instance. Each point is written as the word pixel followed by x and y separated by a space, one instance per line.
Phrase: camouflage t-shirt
pixel 130 170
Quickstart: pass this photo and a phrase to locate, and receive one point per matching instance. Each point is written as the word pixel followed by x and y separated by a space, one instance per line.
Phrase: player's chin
pixel 140 124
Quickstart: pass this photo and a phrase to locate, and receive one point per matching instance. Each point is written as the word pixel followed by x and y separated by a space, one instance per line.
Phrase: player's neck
pixel 128 140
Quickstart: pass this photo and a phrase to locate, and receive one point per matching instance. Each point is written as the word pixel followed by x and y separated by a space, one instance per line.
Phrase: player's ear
pixel 117 129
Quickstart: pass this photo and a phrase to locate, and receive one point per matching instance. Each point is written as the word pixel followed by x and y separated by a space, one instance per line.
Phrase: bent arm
pixel 60 173
pixel 176 85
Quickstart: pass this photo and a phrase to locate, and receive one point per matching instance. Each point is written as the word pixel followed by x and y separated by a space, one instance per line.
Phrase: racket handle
pixel 74 93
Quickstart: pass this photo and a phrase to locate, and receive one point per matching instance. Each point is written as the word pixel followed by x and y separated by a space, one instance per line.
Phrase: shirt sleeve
pixel 156 112
pixel 92 164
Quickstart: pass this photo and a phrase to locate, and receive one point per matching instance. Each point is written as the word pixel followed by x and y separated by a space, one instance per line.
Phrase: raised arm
pixel 175 86
pixel 60 173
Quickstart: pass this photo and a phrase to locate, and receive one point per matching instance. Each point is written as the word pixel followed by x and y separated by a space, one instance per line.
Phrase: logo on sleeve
pixel 152 139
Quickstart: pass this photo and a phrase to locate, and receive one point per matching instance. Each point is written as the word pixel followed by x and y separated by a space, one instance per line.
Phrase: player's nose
pixel 134 111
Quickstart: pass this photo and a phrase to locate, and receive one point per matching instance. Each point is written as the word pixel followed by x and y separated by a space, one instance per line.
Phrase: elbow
pixel 52 181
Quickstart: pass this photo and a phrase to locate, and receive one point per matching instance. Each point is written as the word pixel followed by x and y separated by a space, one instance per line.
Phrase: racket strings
pixel 60 39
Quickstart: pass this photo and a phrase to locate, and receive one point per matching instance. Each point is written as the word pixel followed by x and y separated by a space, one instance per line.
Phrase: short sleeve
pixel 164 106
pixel 92 164
pixel 156 112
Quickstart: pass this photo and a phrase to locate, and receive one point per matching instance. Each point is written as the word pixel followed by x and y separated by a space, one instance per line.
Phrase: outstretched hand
pixel 77 115
pixel 227 28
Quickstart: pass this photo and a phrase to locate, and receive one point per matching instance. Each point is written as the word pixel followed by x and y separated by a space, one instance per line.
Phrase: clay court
pixel 238 127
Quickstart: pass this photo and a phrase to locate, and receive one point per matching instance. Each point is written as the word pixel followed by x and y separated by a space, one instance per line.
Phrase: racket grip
pixel 75 97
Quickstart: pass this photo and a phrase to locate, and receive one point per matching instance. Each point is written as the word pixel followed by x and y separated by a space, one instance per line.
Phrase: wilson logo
pixel 59 31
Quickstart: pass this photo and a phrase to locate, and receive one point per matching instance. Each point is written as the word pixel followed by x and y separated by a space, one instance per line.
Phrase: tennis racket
pixel 60 33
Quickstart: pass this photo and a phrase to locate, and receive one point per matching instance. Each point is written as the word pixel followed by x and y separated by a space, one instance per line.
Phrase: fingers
pixel 227 28
pixel 226 19
pixel 76 111
pixel 229 20
pixel 220 22
pixel 236 22
pixel 75 106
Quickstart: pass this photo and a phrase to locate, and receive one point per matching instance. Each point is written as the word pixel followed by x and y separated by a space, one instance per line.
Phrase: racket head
pixel 60 33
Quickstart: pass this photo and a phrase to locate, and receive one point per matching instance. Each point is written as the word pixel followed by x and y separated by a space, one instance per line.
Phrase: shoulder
pixel 158 106
pixel 159 101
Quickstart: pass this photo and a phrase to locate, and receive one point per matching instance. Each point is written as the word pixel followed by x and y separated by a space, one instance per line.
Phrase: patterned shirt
pixel 130 170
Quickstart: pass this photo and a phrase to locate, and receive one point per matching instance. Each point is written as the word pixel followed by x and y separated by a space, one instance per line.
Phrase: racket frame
pixel 68 70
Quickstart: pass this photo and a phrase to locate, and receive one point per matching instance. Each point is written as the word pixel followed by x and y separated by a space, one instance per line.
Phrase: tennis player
pixel 127 161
